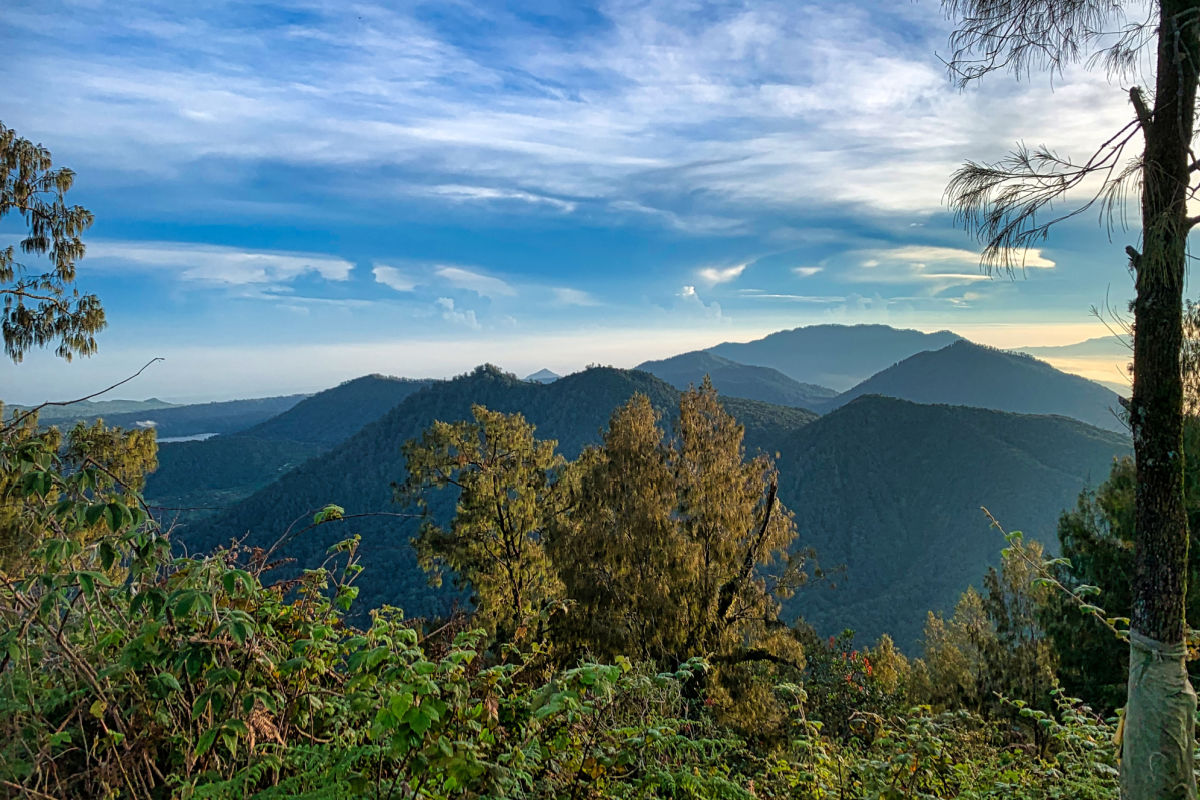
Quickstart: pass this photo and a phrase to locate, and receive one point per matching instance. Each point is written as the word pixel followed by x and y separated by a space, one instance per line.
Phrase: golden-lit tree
pixel 506 485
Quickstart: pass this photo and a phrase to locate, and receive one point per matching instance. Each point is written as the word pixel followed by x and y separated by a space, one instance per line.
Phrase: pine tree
pixel 43 307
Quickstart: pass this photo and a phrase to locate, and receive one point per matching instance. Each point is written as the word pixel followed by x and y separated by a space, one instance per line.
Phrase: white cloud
pixel 485 285
pixel 227 266
pixel 394 278
pixel 690 300
pixel 806 272
pixel 930 268
pixel 759 105
pixel 463 193
pixel 573 297
pixel 796 298
pixel 714 275
pixel 941 255
pixel 687 223
pixel 457 316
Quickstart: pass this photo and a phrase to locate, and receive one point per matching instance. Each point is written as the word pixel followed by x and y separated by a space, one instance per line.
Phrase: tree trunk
pixel 1159 716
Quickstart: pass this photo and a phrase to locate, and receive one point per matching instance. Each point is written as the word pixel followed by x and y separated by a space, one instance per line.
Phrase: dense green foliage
pixel 214 473
pixel 119 458
pixel 361 470
pixel 507 500
pixel 737 380
pixel 129 673
pixel 968 374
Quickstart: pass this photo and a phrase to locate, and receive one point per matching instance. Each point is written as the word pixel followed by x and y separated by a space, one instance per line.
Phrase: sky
pixel 292 194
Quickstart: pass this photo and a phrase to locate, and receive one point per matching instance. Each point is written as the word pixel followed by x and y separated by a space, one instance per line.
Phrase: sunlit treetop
pixel 42 307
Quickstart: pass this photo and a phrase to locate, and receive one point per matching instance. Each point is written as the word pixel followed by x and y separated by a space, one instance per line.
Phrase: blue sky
pixel 292 194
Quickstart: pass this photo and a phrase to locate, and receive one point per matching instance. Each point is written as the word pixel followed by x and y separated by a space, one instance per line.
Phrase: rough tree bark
pixel 1159 716
pixel 1006 202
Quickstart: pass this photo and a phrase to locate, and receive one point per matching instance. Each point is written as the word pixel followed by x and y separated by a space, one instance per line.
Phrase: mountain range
pixel 893 491
pixel 171 420
pixel 888 488
pixel 837 356
pixel 221 470
pixel 886 485
pixel 969 374
pixel 737 380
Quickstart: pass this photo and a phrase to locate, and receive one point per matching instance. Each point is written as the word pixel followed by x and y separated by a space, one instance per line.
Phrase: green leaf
pixel 400 703
pixel 108 555
pixel 328 514
pixel 183 606
pixel 169 681
pixel 205 742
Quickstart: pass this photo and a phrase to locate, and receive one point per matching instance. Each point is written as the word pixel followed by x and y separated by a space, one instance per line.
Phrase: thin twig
pixel 22 417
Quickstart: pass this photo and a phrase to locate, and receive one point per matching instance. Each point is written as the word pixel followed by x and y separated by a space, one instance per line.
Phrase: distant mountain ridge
pixel 186 420
pixel 732 379
pixel 890 488
pixel 358 473
pixel 1098 346
pixel 224 469
pixel 837 356
pixel 975 375
pixel 91 409
pixel 543 376
pixel 333 415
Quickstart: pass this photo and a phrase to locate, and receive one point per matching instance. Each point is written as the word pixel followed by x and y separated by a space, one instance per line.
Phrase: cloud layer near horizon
pixel 301 171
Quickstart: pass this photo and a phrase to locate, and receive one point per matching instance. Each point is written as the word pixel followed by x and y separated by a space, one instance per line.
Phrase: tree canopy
pixel 42 306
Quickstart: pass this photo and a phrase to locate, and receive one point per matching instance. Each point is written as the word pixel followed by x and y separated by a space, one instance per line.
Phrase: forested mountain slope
pixel 224 469
pixel 975 375
pixel 332 416
pixel 732 379
pixel 358 474
pixel 893 490
pixel 889 488
pixel 838 356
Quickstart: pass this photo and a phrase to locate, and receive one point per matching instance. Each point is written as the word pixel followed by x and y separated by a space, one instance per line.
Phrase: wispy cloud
pixel 394 278
pixel 715 275
pixel 806 272
pixel 223 266
pixel 456 315
pixel 760 294
pixel 692 119
pixel 573 297
pixel 934 268
pixel 689 299
pixel 463 193
pixel 486 285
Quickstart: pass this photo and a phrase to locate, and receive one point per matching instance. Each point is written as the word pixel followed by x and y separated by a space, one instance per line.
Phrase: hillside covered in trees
pixel 838 562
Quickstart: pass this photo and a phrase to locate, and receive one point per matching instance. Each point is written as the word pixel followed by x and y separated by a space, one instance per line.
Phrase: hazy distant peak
pixel 968 374
pixel 733 379
pixel 839 356
pixel 543 376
